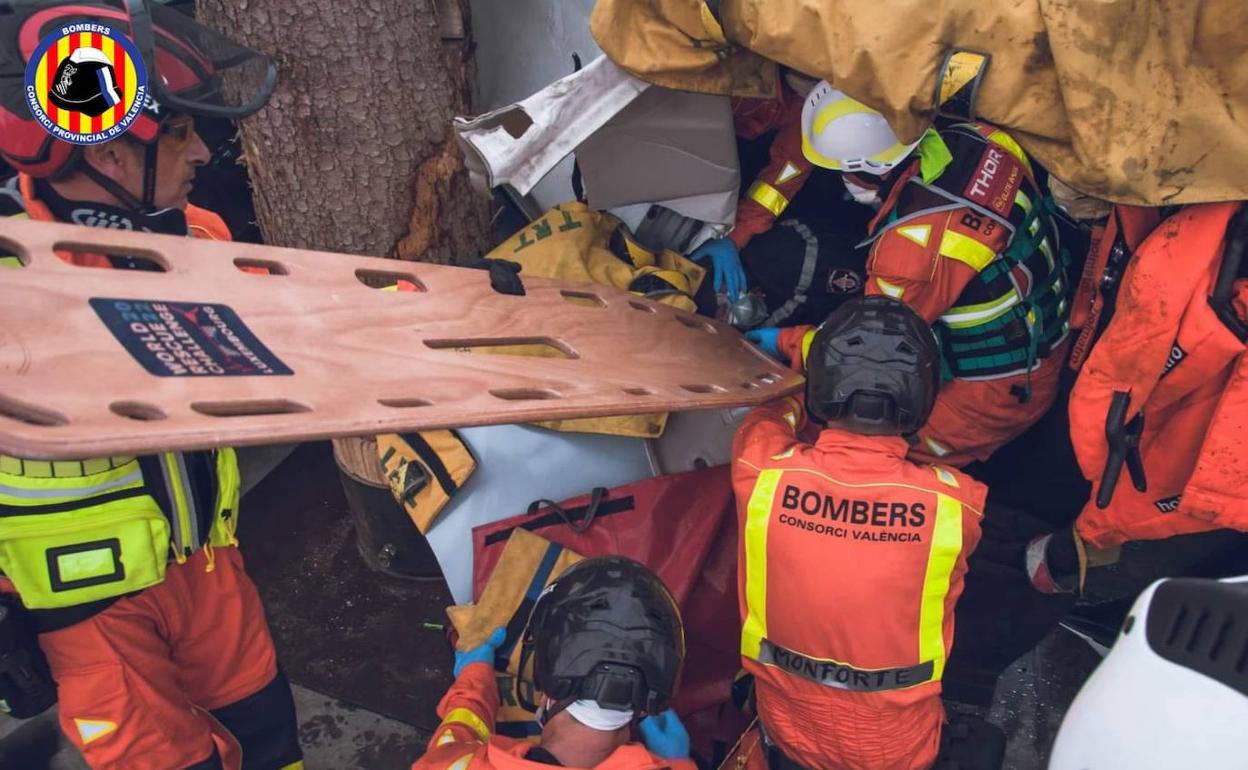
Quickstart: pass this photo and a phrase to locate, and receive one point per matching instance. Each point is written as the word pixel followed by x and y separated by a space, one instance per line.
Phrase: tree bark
pixel 354 152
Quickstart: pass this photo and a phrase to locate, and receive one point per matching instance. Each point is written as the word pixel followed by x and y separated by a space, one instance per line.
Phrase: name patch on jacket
pixel 842 676
pixel 892 521
pixel 994 181
pixel 187 339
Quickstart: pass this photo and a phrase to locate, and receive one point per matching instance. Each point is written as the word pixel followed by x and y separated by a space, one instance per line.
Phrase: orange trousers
pixel 136 683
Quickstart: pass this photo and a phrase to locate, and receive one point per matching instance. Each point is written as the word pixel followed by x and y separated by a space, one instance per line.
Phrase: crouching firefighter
pixel 852 557
pixel 963 234
pixel 607 644
pixel 126 567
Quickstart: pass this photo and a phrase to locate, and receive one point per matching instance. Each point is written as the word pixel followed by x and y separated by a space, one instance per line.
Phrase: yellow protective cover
pixel 575 243
pixel 1136 101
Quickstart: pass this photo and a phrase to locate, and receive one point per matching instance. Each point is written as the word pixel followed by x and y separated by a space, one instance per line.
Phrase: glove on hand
pixel 665 736
pixel 482 653
pixel 1057 563
pixel 725 264
pixel 767 338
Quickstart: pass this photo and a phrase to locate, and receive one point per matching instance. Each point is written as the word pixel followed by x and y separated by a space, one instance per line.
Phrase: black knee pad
pixel 265 725
pixel 970 743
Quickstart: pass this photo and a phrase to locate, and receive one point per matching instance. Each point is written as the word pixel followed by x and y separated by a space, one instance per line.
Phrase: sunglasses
pixel 178 132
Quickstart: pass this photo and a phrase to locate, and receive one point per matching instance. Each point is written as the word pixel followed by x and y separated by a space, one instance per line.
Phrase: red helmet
pixel 181 77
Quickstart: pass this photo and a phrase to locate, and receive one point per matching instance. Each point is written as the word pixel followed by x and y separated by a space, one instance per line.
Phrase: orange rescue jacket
pixel 465 741
pixel 850 564
pixel 1168 356
pixel 787 169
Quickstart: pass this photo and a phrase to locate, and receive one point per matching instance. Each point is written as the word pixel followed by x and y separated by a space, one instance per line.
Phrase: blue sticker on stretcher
pixel 187 339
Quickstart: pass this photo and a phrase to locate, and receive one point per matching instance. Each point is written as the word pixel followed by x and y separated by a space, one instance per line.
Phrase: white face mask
pixel 864 195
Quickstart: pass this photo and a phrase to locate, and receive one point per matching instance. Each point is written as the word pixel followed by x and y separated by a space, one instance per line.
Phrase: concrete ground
pixel 367 668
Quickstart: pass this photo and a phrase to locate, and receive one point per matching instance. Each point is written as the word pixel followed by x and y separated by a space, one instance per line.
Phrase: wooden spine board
pixel 723 370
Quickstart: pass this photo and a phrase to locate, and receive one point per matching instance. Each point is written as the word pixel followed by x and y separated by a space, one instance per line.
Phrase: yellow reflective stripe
pixel 807 339
pixel 768 197
pixel 466 717
pixel 891 154
pixel 946 545
pixel 461 763
pixel 1002 139
pixel 18 486
pixel 10 262
pixel 945 476
pixel 966 250
pixel 889 289
pixel 61 469
pixel 293 766
pixel 838 109
pixel 757 519
pixel 1023 202
pixel 964 316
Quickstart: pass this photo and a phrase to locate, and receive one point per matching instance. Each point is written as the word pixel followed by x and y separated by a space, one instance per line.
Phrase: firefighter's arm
pixel 926 263
pixel 769 430
pixel 469 708
pixel 775 186
pixel 793 343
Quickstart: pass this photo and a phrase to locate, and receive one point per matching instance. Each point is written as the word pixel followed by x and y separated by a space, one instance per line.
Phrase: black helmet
pixel 609 631
pixel 85 82
pixel 873 368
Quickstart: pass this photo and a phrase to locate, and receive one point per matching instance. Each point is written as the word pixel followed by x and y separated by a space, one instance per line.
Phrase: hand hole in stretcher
pixel 704 388
pixel 638 391
pixel 526 394
pixel 404 403
pixel 533 347
pixel 749 386
pixel 30 414
pixel 249 407
pixel 389 280
pixel 83 254
pixel 137 410
pixel 260 266
pixel 582 298
pixel 693 322
pixel 639 305
pixel 12 254
pixel 769 379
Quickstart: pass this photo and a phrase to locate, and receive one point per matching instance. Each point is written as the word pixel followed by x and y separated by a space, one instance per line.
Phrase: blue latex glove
pixel 482 653
pixel 665 736
pixel 767 338
pixel 725 265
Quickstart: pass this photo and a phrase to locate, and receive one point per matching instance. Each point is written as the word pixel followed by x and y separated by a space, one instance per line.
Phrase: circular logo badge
pixel 843 281
pixel 86 83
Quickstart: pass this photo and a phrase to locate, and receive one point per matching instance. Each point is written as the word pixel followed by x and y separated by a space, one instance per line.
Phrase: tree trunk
pixel 354 152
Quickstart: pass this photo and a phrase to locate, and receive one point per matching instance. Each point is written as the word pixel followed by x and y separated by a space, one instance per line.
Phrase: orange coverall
pixel 851 561
pixel 136 682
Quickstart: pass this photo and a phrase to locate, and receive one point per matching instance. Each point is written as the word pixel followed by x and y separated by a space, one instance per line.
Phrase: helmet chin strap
pixel 127 199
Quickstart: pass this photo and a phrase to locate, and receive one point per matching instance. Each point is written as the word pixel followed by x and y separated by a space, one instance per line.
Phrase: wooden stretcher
pixel 202 353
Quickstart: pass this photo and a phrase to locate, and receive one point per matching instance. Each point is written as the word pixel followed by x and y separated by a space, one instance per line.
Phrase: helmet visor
pixel 197 70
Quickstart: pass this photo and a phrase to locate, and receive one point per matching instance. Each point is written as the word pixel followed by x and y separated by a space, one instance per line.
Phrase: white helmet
pixel 844 134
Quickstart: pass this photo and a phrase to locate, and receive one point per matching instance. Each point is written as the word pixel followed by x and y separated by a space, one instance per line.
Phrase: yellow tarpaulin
pixel 1138 101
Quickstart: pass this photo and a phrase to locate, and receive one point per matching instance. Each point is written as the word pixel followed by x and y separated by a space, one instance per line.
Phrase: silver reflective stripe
pixel 191 511
pixel 67 492
pixel 809 263
pixel 842 676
